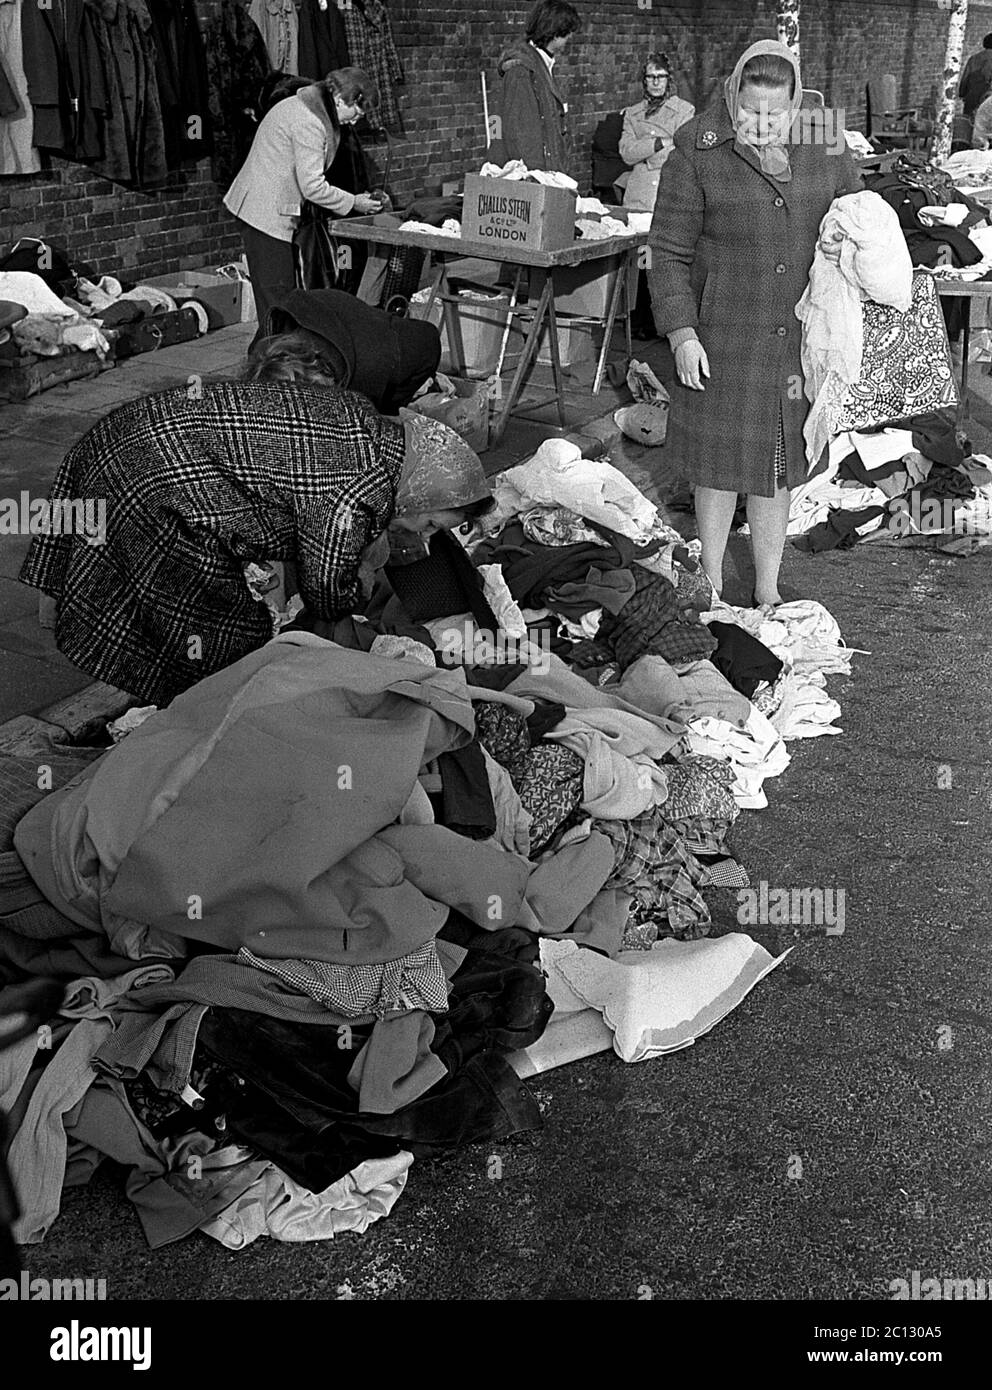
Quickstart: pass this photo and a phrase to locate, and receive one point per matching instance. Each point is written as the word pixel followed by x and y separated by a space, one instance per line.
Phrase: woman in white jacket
pixel 295 142
pixel 649 133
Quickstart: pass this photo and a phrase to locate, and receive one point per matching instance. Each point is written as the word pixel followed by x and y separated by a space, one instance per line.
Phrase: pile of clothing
pixel 68 306
pixel 477 826
pixel 918 479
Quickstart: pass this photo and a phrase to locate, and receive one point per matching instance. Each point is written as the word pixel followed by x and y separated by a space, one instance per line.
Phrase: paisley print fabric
pixel 906 364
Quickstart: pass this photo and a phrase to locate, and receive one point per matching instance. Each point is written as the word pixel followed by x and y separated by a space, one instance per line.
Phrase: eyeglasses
pixel 657 76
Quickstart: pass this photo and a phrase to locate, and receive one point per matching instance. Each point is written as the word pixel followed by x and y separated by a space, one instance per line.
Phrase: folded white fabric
pixel 558 475
pixel 448 228
pixel 24 287
pixel 754 752
pixel 874 450
pixel 502 602
pixel 661 1000
pixel 803 634
pixel 874 263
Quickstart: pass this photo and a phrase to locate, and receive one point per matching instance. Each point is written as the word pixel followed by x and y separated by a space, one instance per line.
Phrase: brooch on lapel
pixel 708 137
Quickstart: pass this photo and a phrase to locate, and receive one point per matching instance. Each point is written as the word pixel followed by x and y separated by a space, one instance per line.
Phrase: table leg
pixel 509 321
pixel 526 357
pixel 608 322
pixel 555 355
pixel 965 346
pixel 630 267
pixel 439 279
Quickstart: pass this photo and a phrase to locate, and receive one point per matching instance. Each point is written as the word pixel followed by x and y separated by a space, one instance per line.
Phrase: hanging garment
pixel 372 47
pixel 279 26
pixel 17 152
pixel 181 69
pixel 323 43
pixel 906 363
pixel 873 263
pixel 133 132
pixel 237 65
pixel 67 87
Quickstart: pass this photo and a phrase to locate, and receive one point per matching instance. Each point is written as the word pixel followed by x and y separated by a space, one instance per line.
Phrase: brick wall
pixel 446 45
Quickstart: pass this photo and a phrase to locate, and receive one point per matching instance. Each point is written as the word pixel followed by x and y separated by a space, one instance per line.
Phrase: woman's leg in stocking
pixel 714 515
pixel 768 518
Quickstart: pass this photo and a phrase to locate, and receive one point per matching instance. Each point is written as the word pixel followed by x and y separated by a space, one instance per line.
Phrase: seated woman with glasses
pixel 293 146
pixel 649 132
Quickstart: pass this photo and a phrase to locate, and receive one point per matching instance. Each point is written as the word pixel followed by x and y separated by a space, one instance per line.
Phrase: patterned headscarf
pixel 440 471
pixel 774 156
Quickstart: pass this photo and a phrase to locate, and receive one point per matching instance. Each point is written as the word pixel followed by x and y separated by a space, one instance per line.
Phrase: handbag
pixel 315 251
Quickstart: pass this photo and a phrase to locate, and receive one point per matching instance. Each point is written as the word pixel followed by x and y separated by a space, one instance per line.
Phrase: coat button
pixel 780 202
pixel 781 332
pixel 780 269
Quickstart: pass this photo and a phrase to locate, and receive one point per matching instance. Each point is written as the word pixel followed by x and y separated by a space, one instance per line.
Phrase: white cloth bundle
pixel 874 263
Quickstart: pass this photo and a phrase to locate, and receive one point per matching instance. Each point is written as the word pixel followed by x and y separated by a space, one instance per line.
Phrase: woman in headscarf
pixel 649 128
pixel 735 229
pixel 193 485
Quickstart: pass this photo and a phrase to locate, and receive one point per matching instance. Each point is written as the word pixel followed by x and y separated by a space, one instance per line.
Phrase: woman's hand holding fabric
pixel 366 204
pixel 692 364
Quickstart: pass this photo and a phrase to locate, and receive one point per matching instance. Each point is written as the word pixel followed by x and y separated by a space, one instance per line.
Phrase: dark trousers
pixel 272 268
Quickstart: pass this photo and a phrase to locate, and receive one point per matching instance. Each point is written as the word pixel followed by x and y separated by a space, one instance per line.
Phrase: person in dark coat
pixel 197 485
pixel 735 229
pixel 976 80
pixel 385 357
pixel 533 106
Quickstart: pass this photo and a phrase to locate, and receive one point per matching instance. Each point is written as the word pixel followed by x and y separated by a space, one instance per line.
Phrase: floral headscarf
pixel 774 156
pixel 440 471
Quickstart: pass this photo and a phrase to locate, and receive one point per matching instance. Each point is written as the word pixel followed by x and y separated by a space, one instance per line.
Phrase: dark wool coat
pixel 193 489
pixel 532 112
pixel 323 43
pixel 133 133
pixel 66 86
pixel 181 65
pixel 237 66
pixel 731 251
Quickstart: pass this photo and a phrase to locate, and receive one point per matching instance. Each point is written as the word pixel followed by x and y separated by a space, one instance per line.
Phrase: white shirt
pixel 549 63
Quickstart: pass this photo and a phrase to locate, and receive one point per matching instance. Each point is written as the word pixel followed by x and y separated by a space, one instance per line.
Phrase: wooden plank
pixel 361 229
pixel 88 711
pixel 26 735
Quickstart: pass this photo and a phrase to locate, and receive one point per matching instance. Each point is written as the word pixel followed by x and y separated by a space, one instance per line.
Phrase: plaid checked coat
pixel 731 250
pixel 194 488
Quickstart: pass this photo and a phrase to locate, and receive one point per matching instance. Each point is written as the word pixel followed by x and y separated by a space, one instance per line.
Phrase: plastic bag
pixel 646 422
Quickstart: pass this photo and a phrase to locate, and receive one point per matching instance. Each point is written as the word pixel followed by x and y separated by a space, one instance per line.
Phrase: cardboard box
pixel 585 289
pixel 481 323
pixel 514 213
pixel 219 296
pixel 575 344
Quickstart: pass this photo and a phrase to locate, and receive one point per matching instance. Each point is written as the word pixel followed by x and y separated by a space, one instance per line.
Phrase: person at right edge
pixel 533 107
pixel 735 229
